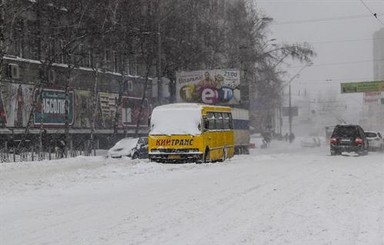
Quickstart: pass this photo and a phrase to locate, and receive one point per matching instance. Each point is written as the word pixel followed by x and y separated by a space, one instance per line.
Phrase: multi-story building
pixel 378 55
pixel 373 102
pixel 55 80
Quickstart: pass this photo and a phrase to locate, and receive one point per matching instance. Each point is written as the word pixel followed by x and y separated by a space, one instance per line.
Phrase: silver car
pixel 130 147
pixel 375 140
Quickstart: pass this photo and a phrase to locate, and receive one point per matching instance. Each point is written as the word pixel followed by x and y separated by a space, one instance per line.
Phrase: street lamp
pixel 290 100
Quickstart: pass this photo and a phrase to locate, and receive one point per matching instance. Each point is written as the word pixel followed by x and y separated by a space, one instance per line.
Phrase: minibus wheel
pixel 225 154
pixel 207 157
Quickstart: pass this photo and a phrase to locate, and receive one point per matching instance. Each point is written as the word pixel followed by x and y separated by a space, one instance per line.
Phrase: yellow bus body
pixel 211 140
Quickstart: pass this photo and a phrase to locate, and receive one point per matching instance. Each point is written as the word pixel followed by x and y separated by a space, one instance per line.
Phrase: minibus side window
pixel 226 121
pixel 211 121
pixel 219 120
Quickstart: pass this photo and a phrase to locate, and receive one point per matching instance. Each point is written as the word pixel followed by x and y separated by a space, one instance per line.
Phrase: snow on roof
pixel 179 106
pixel 179 118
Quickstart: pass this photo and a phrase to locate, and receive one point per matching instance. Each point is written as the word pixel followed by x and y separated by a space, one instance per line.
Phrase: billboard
pixel 50 109
pixel 209 86
pixel 131 110
pixel 107 103
pixel 107 106
pixel 83 109
pixel 15 104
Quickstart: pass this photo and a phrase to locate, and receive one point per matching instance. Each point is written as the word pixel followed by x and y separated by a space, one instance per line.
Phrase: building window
pixel 115 61
pixel 89 57
pixel 125 64
pixel 80 55
pixel 130 86
pixel 107 58
pixel 61 56
pixel 51 50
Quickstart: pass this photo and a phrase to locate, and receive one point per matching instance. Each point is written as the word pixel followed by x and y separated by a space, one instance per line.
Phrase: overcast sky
pixel 340 31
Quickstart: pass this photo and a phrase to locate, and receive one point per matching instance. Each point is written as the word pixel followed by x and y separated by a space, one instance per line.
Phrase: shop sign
pixel 362 87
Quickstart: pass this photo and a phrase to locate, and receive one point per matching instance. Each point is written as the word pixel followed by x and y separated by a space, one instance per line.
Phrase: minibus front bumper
pixel 175 156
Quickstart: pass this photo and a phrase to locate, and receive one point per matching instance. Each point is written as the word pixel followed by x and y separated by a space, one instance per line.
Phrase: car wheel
pixel 333 153
pixel 224 154
pixel 135 155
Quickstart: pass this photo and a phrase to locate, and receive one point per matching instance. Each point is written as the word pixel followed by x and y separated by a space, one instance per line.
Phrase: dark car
pixel 348 138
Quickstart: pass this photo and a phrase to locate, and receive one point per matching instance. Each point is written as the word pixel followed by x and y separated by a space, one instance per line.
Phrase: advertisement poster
pixel 130 111
pixel 372 97
pixel 107 106
pixel 83 111
pixel 50 109
pixel 15 104
pixel 208 86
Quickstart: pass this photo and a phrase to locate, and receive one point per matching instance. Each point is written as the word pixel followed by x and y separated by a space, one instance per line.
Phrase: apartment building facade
pixel 57 79
pixel 373 102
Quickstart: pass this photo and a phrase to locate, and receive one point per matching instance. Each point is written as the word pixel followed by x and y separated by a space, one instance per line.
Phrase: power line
pixel 349 62
pixel 326 19
pixel 334 81
pixel 342 63
pixel 346 40
pixel 373 13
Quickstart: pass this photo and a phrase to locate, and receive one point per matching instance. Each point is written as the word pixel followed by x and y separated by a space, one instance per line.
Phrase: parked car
pixel 376 141
pixel 310 141
pixel 130 147
pixel 348 138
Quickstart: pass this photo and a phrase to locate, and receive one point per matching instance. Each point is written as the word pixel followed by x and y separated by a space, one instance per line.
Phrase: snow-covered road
pixel 281 195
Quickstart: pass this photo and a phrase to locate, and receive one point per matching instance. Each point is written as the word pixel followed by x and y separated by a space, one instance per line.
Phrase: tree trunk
pixel 95 109
pixel 142 102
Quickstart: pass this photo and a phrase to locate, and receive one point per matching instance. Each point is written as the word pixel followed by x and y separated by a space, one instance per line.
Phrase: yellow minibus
pixel 190 132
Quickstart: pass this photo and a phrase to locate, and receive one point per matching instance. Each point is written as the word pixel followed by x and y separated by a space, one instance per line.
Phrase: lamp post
pixel 290 100
pixel 290 114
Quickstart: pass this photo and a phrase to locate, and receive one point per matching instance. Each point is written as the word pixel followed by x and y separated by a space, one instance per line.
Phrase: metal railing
pixel 30 154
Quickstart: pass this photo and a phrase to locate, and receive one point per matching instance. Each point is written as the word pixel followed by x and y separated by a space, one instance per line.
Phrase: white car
pixel 311 141
pixel 375 140
pixel 130 147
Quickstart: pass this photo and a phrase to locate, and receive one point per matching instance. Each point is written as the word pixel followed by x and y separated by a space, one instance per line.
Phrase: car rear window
pixel 345 131
pixel 370 134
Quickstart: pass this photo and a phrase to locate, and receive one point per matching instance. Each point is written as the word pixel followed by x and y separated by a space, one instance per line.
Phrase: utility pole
pixel 290 113
pixel 290 101
pixel 95 110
